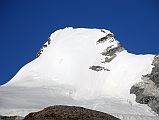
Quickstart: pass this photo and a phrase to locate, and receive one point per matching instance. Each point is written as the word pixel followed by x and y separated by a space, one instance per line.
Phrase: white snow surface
pixel 61 75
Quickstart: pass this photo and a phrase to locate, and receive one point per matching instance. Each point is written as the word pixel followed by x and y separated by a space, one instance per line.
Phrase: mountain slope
pixel 70 58
pixel 79 67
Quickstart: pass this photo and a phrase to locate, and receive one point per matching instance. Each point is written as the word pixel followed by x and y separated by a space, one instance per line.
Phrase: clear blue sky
pixel 26 24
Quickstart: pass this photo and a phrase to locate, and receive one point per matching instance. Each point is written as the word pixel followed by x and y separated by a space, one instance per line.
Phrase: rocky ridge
pixel 109 53
pixel 147 91
pixel 43 47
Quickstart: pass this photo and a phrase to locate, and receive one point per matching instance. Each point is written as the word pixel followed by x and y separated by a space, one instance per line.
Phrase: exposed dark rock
pixel 146 99
pixel 109 59
pixel 49 41
pixel 154 104
pixel 11 118
pixel 111 53
pixel 98 68
pixel 60 112
pixel 140 97
pixel 110 35
pixel 148 91
pixel 103 31
pixel 154 75
pixel 103 39
pixel 156 61
pixel 136 90
pixel 44 46
pixel 39 53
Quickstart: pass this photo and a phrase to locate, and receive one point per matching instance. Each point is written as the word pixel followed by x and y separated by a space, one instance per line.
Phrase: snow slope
pixel 62 75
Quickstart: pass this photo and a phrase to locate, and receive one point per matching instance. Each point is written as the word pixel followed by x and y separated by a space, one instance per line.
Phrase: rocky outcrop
pixel 154 75
pixel 60 112
pixel 103 39
pixel 43 47
pixel 98 68
pixel 147 91
pixel 109 53
pixel 11 118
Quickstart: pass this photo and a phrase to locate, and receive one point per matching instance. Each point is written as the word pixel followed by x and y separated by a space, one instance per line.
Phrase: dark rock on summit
pixel 109 53
pixel 60 112
pixel 103 39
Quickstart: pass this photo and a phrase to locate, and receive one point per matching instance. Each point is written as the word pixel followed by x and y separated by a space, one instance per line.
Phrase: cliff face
pixel 147 91
pixel 60 112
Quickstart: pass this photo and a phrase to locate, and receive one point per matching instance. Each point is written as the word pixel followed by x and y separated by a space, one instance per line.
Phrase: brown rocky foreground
pixel 60 112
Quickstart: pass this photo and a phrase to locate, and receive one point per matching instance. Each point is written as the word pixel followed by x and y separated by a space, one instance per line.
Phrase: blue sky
pixel 26 24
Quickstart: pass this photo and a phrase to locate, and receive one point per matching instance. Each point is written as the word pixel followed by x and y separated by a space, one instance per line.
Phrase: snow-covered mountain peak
pixel 89 68
pixel 92 61
pixel 81 34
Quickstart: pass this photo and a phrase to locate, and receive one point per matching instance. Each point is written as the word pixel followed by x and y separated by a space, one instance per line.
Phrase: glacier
pixel 82 67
